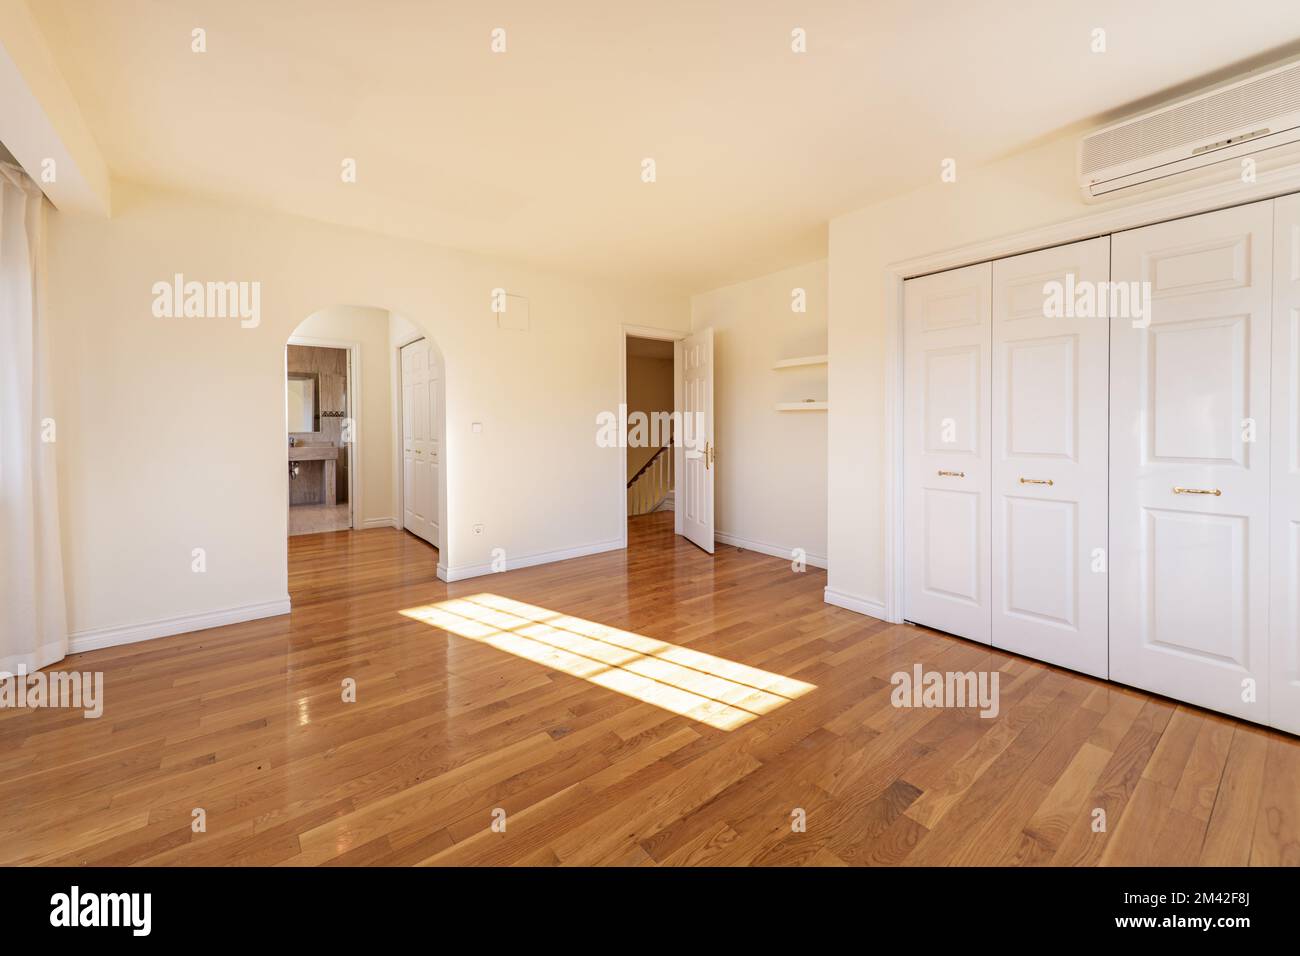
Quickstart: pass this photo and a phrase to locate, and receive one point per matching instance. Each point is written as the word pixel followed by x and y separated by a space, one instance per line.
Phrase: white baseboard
pixel 867 606
pixel 380 523
pixel 736 541
pixel 94 640
pixel 528 560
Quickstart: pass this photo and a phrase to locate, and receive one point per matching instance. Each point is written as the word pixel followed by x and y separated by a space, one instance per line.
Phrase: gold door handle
pixel 1197 491
pixel 1037 481
pixel 952 474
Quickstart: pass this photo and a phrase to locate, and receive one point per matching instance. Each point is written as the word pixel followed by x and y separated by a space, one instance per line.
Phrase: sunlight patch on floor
pixel 712 690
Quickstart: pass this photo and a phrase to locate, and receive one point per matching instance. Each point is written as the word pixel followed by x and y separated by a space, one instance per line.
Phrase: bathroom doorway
pixel 365 395
pixel 319 398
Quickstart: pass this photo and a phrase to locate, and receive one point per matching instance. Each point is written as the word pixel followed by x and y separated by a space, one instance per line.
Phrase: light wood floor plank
pixel 659 707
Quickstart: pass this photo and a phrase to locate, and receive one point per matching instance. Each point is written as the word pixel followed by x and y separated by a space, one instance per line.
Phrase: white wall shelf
pixel 801 406
pixel 805 360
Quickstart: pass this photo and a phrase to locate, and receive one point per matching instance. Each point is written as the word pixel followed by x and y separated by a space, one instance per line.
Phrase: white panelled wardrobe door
pixel 1189 489
pixel 1284 625
pixel 1050 381
pixel 946 343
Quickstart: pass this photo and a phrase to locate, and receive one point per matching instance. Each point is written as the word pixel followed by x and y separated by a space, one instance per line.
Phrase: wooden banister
pixel 646 467
pixel 650 487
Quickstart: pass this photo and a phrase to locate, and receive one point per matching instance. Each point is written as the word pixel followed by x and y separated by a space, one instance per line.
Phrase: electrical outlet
pixel 478 529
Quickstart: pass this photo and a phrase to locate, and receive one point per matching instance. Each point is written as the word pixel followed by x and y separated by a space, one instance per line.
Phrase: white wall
pixel 771 466
pixel 1029 189
pixel 369 328
pixel 165 444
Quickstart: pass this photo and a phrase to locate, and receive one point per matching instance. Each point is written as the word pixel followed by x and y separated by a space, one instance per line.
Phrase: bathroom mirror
pixel 304 402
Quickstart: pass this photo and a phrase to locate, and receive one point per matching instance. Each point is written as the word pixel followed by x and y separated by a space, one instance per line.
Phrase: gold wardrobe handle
pixel 1197 491
pixel 952 474
pixel 1037 481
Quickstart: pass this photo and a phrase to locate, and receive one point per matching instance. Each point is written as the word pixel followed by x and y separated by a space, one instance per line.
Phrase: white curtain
pixel 33 615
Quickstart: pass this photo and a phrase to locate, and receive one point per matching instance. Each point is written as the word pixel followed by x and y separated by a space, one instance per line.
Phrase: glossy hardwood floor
pixel 535 714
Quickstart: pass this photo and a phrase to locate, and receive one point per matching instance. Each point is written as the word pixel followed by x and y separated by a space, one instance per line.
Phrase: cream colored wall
pixel 166 446
pixel 771 466
pixel 649 389
pixel 369 327
pixel 1034 188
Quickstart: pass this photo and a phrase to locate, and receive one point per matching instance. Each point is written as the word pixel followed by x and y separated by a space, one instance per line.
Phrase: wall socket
pixel 478 529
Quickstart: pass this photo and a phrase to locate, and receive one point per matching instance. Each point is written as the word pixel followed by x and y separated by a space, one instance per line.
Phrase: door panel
pixel 420 445
pixel 952 389
pixel 952 544
pixel 695 492
pixel 1040 565
pixel 1042 396
pixel 1049 396
pixel 1284 657
pixel 1189 488
pixel 946 340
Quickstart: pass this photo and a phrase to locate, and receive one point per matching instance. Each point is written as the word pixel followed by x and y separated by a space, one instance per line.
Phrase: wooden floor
pixel 452 732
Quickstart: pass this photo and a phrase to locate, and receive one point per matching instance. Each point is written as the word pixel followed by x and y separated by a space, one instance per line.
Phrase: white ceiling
pixel 536 153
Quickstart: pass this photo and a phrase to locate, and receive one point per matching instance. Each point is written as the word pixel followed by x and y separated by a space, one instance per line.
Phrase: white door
pixel 420 444
pixel 1284 657
pixel 946 463
pixel 1050 380
pixel 694 494
pixel 1189 489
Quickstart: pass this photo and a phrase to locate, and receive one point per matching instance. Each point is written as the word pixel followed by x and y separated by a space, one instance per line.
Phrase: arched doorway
pixel 364 412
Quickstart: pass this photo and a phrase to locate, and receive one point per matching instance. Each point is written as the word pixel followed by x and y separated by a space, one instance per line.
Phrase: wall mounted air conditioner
pixel 1222 125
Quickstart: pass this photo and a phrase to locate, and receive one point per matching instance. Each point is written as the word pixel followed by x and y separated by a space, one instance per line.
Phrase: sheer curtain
pixel 33 616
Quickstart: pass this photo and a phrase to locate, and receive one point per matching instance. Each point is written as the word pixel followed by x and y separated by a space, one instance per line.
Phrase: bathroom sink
pixel 313 453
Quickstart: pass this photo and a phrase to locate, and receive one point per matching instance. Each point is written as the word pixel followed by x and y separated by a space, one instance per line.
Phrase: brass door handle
pixel 1197 491
pixel 1037 481
pixel 952 474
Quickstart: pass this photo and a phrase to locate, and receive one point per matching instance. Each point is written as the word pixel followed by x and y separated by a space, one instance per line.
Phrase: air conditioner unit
pixel 1243 117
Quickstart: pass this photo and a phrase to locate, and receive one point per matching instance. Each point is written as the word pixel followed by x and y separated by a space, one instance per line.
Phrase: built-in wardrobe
pixel 1102 457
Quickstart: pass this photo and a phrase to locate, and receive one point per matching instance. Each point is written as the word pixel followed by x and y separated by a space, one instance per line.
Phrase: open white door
pixel 420 446
pixel 695 485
